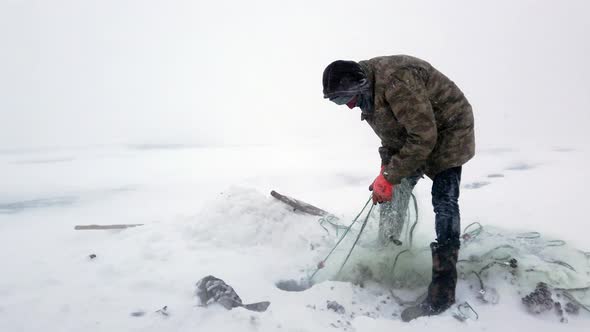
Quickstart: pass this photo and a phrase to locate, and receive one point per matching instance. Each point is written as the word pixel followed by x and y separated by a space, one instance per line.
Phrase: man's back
pixel 406 85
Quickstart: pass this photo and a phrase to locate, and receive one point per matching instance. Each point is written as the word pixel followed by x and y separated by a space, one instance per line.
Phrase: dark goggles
pixel 341 100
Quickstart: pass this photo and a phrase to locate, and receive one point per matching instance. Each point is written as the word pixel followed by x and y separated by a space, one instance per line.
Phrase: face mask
pixel 341 100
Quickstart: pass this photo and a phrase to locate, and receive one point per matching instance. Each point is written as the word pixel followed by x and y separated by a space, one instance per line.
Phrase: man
pixel 425 124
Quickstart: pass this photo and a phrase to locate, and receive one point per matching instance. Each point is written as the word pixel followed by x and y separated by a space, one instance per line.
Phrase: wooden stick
pixel 102 227
pixel 298 205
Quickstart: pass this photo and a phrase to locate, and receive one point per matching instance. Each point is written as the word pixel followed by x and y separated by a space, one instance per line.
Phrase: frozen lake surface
pixel 207 210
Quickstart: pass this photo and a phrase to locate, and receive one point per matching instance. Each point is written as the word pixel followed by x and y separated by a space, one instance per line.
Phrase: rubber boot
pixel 441 291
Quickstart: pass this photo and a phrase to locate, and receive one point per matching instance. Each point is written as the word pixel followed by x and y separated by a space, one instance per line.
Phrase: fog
pixel 78 73
pixel 96 96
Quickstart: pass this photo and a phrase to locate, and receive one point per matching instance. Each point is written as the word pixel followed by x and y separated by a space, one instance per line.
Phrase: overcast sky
pixel 238 72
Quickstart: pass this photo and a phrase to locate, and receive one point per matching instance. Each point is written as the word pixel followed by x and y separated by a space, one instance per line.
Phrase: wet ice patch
pixel 476 185
pixel 42 161
pixel 66 200
pixel 521 166
pixel 20 206
pixel 148 147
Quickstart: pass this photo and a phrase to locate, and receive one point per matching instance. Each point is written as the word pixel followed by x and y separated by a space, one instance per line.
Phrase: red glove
pixel 382 189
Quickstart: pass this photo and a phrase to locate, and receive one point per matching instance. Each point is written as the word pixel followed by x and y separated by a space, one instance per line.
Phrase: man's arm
pixel 409 102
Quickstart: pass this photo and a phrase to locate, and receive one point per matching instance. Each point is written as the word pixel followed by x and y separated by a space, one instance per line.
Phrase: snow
pixel 207 210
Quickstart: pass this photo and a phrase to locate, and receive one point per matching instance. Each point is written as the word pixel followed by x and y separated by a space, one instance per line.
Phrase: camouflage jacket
pixel 421 116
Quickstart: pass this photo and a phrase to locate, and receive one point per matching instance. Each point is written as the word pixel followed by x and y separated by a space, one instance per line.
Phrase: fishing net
pixel 490 258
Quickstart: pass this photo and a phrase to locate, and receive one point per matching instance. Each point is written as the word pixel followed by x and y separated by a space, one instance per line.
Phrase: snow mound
pixel 243 217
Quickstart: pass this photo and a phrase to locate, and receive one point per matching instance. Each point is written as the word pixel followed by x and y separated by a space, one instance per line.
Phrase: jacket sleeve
pixel 409 103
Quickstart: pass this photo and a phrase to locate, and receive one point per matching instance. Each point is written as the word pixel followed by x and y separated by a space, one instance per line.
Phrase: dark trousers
pixel 445 197
pixel 445 200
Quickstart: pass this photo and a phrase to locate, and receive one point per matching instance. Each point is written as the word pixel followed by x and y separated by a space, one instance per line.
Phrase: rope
pixel 481 285
pixel 472 234
pixel 579 289
pixel 401 301
pixel 395 260
pixel 567 293
pixel 555 243
pixel 415 222
pixel 331 220
pixel 575 300
pixel 462 316
pixel 528 235
pixel 356 240
pixel 480 260
pixel 511 263
pixel 562 263
pixel 322 263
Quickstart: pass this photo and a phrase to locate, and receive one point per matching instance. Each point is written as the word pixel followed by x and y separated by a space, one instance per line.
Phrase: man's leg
pixel 445 200
pixel 392 214
pixel 445 251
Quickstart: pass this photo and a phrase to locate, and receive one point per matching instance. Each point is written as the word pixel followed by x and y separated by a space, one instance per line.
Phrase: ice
pixel 201 219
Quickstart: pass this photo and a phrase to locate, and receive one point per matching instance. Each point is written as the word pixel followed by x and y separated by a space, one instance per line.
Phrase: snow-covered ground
pixel 207 210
